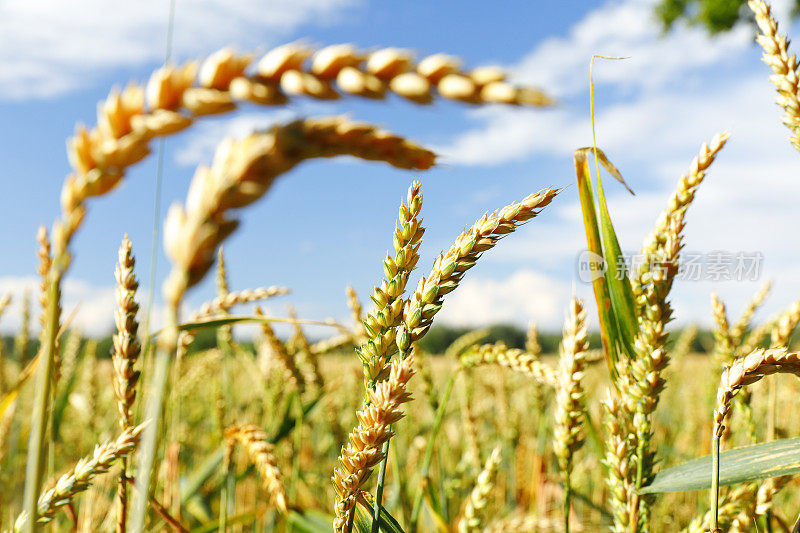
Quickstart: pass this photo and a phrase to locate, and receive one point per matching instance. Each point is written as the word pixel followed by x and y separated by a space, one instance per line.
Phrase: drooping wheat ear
pixel 306 360
pixel 512 358
pixel 363 452
pixel 747 370
pixel 570 403
pixel 662 246
pixel 130 118
pixel 451 266
pixel 356 311
pixel 532 345
pixel 278 350
pixel 243 170
pixel 124 355
pixel 785 325
pixel 381 323
pixel 259 450
pixel 776 55
pixel 743 323
pixel 80 477
pixel 126 347
pixel 475 507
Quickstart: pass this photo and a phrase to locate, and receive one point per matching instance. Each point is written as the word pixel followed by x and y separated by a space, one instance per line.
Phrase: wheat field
pixel 364 430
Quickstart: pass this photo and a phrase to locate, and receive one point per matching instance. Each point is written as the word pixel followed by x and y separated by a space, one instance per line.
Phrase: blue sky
pixel 328 223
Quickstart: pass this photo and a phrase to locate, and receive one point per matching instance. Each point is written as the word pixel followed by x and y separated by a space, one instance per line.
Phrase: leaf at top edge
pixel 217 322
pixel 739 465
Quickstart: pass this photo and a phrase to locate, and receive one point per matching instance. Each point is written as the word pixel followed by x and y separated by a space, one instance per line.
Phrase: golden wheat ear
pixel 80 477
pixel 776 56
pixel 259 450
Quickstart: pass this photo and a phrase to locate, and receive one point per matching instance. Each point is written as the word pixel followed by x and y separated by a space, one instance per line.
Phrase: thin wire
pixel 157 195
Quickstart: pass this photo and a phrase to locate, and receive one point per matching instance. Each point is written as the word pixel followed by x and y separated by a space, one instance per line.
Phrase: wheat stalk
pixel 80 477
pixel 640 379
pixel 785 325
pixel 748 370
pixel 724 348
pixel 124 355
pixel 683 346
pixel 278 350
pixel 381 324
pixel 5 301
pixel 23 336
pixel 737 501
pixel 532 345
pixel 620 461
pixel 126 347
pixel 129 119
pixel 356 311
pixel 738 329
pixel 259 449
pixel 776 56
pixel 662 246
pixel 451 266
pixel 570 403
pixel 742 372
pixel 363 452
pixel 515 359
pixel 475 506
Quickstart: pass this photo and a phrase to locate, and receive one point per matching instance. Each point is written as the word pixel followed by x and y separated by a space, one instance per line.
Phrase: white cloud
pixel 94 304
pixel 560 64
pixel 657 108
pixel 524 296
pixel 50 46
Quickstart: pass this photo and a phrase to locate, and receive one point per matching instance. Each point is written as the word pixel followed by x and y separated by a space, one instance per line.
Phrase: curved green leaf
pixel 217 322
pixel 363 522
pixel 619 286
pixel 739 465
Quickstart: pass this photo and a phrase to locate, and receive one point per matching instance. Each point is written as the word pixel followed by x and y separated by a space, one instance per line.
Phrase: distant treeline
pixel 436 341
pixel 440 337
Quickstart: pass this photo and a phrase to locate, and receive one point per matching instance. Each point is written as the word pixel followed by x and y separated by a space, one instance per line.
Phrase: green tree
pixel 715 15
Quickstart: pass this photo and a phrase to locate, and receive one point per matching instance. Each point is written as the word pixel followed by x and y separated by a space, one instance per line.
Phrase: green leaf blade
pixel 739 465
